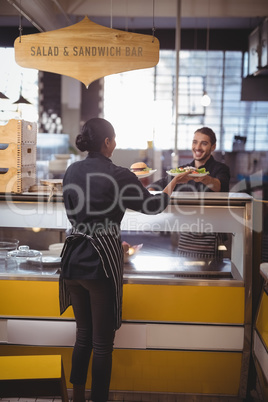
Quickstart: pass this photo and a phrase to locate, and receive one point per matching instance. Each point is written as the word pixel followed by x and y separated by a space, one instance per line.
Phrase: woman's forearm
pixel 176 180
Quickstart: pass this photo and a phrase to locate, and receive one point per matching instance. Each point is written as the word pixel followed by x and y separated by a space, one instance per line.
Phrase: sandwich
pixel 139 168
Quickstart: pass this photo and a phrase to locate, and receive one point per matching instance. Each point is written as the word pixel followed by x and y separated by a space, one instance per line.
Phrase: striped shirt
pixel 200 245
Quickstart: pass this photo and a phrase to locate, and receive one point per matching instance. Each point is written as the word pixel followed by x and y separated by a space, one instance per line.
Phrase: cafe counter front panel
pixel 186 315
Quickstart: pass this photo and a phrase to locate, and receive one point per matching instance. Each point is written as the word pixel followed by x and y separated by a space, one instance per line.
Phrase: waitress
pixel 96 194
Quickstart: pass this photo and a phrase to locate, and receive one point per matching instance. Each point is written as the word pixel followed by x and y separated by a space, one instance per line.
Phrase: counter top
pixel 38 210
pixel 210 196
pixel 176 196
pixel 154 270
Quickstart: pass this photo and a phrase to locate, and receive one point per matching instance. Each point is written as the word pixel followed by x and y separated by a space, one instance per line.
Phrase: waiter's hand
pixel 211 182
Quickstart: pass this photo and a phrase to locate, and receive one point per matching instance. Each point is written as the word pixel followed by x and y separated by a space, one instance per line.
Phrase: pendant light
pixel 21 99
pixel 205 100
pixel 3 96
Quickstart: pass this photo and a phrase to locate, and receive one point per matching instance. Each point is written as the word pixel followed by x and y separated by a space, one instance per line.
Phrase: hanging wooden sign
pixel 86 51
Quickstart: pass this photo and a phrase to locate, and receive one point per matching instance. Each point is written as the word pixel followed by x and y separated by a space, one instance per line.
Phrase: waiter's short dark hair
pixel 210 133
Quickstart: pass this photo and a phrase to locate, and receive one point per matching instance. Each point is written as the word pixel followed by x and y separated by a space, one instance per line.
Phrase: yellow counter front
pixel 173 337
pixel 260 337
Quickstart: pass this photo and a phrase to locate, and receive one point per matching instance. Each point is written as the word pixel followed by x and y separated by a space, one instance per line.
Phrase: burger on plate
pixel 139 168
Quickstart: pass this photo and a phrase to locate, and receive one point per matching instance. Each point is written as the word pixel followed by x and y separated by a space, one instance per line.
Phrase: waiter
pixel 204 143
pixel 201 245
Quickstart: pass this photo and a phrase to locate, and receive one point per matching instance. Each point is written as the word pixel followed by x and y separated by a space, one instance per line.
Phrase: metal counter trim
pixel 140 279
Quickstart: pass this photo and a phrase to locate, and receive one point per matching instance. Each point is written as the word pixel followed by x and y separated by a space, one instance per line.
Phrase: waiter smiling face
pixel 202 148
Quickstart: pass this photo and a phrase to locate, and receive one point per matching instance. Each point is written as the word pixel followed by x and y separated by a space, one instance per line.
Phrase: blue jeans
pixel 93 306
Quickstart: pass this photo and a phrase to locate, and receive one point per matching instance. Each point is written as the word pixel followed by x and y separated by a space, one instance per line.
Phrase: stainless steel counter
pixel 157 263
pixel 152 269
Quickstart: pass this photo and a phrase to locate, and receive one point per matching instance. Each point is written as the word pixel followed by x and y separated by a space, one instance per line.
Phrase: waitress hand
pixel 182 177
pixel 212 183
pixel 179 178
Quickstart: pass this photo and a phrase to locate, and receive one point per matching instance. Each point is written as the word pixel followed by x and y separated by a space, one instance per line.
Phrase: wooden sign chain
pixel 126 19
pixel 153 28
pixel 111 23
pixel 20 23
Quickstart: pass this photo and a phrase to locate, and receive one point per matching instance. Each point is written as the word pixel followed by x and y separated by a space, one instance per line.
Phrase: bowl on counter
pixel 24 259
pixel 6 245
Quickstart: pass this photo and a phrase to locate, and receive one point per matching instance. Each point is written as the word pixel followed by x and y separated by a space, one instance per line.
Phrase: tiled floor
pixel 116 396
pixel 180 399
pixel 143 398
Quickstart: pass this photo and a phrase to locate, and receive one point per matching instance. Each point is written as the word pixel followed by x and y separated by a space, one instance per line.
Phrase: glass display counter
pixel 186 299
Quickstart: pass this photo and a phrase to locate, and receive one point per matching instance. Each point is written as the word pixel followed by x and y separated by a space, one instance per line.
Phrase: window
pixel 129 102
pixel 141 106
pixel 14 78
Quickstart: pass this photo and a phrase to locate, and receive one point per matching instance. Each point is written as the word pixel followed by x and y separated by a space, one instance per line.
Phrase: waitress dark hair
pixel 93 134
pixel 210 133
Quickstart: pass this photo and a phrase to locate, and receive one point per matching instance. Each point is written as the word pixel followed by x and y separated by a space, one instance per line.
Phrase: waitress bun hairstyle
pixel 93 134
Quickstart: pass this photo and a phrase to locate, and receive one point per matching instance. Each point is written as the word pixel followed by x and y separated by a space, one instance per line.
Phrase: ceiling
pixel 46 15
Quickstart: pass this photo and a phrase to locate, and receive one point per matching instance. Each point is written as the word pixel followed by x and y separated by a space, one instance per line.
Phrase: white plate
pixel 173 174
pixel 190 174
pixel 141 176
pixel 198 174
pixel 50 260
